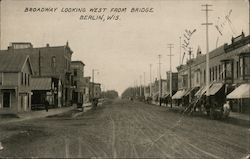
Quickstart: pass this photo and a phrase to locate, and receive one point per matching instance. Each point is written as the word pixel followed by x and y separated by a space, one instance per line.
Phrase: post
pixel 140 87
pixel 207 51
pixel 93 80
pixel 150 85
pixel 159 79
pixel 190 72
pixel 144 90
pixel 180 51
pixel 170 46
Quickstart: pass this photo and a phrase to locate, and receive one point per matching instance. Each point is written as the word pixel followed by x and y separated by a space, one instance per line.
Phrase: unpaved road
pixel 125 129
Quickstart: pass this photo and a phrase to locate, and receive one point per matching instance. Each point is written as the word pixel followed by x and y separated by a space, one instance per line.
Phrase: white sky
pixel 121 50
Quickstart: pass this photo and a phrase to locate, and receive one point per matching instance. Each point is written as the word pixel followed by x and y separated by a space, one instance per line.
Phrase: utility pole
pixel 159 78
pixel 180 51
pixel 207 49
pixel 150 85
pixel 144 90
pixel 93 81
pixel 136 88
pixel 0 24
pixel 170 46
pixel 190 72
pixel 140 87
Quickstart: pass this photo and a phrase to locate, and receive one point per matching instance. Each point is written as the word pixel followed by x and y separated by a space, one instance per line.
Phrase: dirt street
pixel 125 129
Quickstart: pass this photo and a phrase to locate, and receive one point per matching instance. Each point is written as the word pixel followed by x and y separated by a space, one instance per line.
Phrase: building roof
pixel 33 53
pixel 10 62
pixel 77 62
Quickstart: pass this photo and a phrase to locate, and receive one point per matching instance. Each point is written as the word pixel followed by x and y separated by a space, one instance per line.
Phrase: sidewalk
pixel 240 116
pixel 36 114
pixel 232 115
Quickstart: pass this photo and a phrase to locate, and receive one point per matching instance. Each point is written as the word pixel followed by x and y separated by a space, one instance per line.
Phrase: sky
pixel 122 50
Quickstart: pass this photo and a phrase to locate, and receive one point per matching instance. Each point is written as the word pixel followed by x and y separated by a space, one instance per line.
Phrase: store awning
pixel 41 83
pixel 201 91
pixel 166 95
pixel 215 88
pixel 190 90
pixel 243 91
pixel 179 94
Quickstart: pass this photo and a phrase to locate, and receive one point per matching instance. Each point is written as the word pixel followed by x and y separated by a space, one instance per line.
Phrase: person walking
pixel 46 103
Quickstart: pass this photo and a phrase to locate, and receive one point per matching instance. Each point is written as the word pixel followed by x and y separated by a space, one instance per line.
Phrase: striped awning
pixel 179 94
pixel 243 91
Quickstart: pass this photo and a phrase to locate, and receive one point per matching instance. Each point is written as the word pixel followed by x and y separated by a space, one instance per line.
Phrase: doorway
pixel 6 99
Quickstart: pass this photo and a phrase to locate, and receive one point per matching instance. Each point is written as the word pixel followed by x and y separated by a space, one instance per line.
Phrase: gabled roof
pixel 10 62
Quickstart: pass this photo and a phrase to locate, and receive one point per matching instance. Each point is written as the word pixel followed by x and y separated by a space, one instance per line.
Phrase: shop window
pixel 245 67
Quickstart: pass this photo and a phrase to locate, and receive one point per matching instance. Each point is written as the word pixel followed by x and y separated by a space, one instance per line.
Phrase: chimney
pixel 47 45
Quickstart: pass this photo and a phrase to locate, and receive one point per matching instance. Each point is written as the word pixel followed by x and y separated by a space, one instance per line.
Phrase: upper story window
pixel 1 78
pixel 228 70
pixel 245 65
pixel 185 80
pixel 75 72
pixel 22 79
pixel 53 62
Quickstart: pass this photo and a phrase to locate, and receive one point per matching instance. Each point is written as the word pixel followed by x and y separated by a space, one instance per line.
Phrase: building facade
pixel 87 89
pixel 229 65
pixel 53 62
pixel 15 77
pixel 77 70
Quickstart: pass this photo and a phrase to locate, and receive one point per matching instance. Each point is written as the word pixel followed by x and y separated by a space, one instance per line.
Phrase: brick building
pixel 229 68
pixel 50 62
pixel 15 77
pixel 77 70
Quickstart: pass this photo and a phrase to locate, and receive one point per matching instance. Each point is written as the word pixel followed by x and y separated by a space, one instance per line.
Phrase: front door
pixel 6 99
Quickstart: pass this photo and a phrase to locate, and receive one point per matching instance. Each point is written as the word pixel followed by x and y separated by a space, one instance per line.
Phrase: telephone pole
pixel 144 83
pixel 93 81
pixel 150 85
pixel 140 87
pixel 207 48
pixel 190 72
pixel 159 78
pixel 180 51
pixel 170 46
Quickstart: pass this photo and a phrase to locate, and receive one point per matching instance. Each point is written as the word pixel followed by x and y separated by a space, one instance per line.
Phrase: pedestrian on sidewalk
pixel 46 105
pixel 226 109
